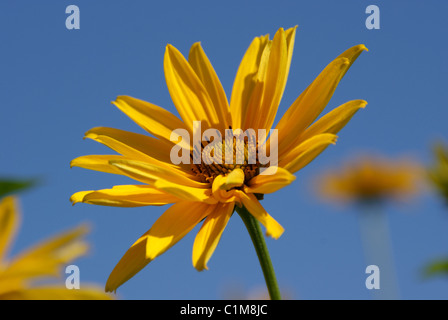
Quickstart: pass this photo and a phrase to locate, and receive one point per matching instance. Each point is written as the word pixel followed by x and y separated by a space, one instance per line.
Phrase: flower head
pixel 200 189
pixel 17 275
pixel 372 179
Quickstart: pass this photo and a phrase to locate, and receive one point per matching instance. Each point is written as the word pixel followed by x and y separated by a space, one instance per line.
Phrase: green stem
pixel 257 237
pixel 377 244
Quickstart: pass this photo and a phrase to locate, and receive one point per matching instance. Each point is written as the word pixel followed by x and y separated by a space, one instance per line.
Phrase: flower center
pixel 222 157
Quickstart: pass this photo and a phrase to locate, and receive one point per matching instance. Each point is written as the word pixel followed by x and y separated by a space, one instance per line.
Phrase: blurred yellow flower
pixel 209 192
pixel 17 275
pixel 439 171
pixel 372 178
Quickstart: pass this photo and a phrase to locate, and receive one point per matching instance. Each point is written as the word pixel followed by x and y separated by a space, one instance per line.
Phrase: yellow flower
pixel 371 178
pixel 439 171
pixel 39 262
pixel 201 191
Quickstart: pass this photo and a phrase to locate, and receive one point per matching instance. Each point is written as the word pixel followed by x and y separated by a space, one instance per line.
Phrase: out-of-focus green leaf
pixel 439 267
pixel 8 186
pixel 438 172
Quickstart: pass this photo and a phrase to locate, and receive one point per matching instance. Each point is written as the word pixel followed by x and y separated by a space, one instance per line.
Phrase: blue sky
pixel 58 83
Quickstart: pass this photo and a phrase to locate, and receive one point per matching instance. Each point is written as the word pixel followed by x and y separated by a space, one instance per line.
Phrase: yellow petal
pixel 252 110
pixel 129 265
pixel 184 192
pixel 245 80
pixel 187 92
pixel 172 226
pixel 234 179
pixel 9 220
pixel 230 196
pixel 276 75
pixel 154 119
pixel 310 103
pixel 290 35
pixel 46 258
pixel 335 120
pixel 8 285
pixel 219 183
pixel 57 293
pixel 353 53
pixel 208 236
pixel 132 145
pixel 269 183
pixel 97 163
pixel 221 191
pixel 313 100
pixel 273 228
pixel 125 196
pixel 304 153
pixel 79 196
pixel 204 70
pixel 148 173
